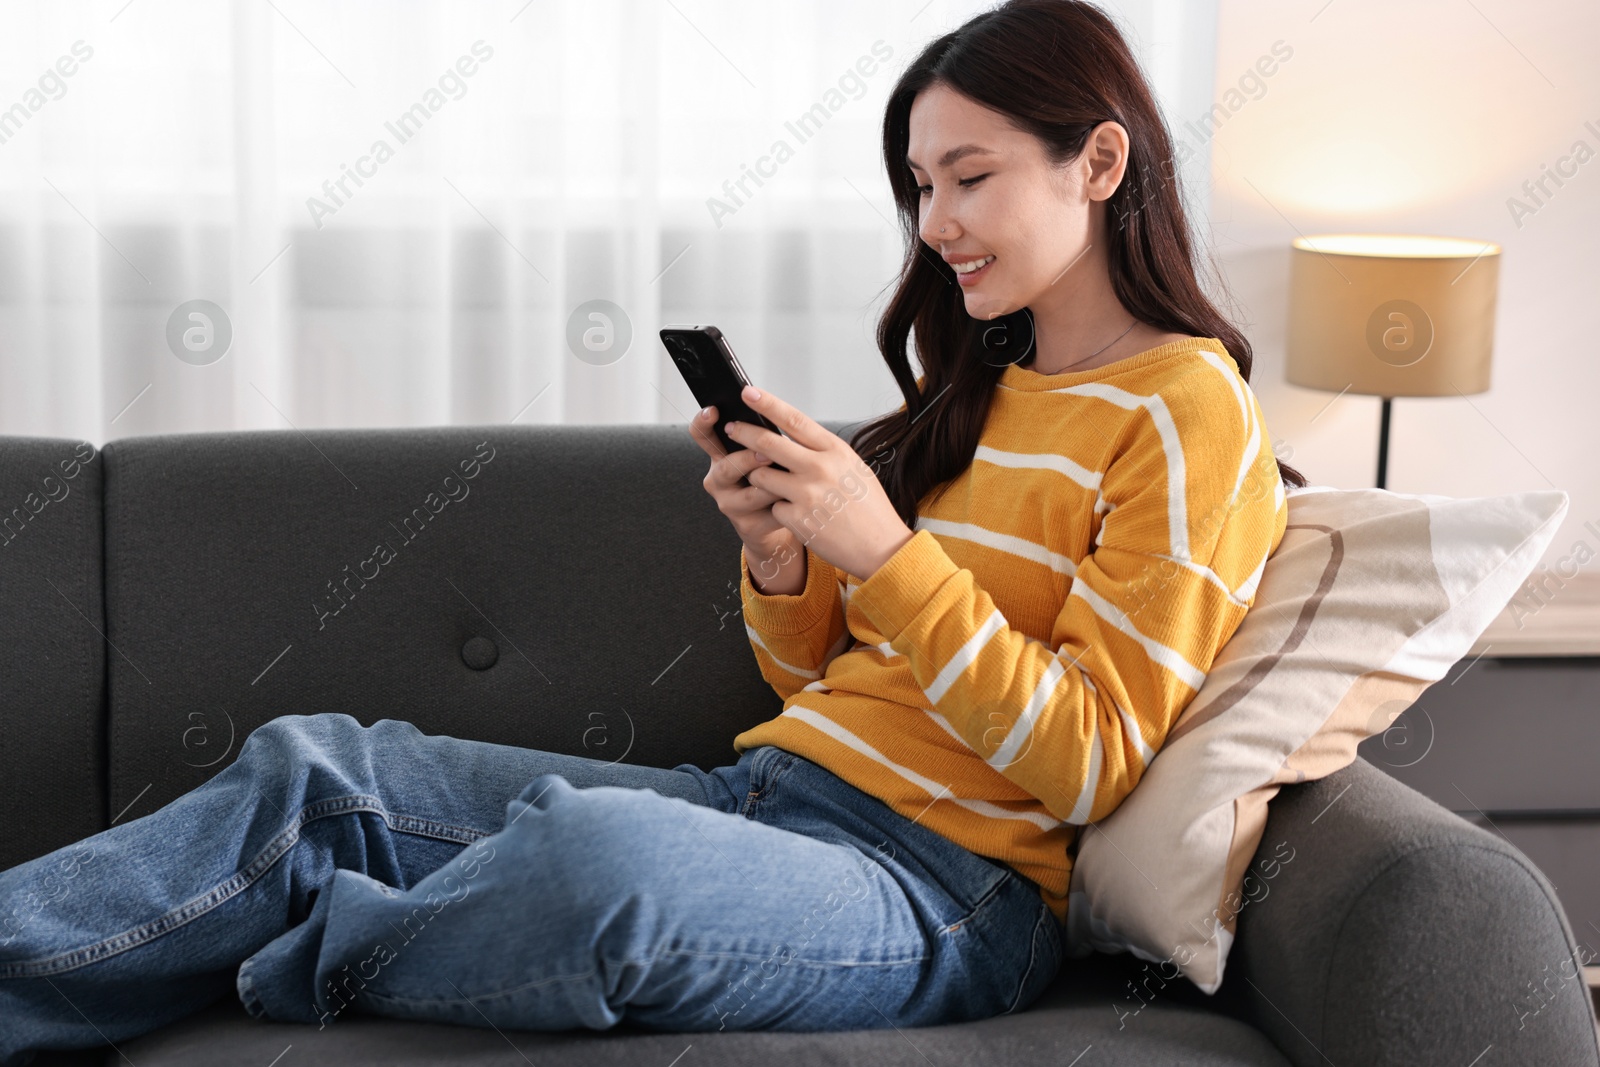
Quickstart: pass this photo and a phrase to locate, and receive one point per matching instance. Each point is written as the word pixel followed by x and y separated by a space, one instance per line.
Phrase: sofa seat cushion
pixel 1090 1005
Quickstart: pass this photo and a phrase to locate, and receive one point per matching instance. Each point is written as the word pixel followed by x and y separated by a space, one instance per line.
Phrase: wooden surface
pixel 1562 620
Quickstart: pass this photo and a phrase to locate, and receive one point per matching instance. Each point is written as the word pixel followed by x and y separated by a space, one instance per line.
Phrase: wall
pixel 1425 116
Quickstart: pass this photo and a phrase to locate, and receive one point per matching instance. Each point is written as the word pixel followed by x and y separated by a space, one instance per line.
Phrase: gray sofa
pixel 176 591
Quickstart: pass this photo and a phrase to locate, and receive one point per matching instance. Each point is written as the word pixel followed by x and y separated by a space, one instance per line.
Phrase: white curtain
pixel 400 206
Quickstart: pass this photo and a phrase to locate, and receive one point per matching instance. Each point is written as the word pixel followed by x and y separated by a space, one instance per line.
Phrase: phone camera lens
pixel 684 356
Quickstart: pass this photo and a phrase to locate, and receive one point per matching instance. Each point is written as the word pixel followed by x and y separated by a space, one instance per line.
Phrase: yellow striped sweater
pixel 1007 675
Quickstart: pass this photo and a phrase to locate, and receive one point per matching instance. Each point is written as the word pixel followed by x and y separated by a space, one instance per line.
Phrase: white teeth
pixel 968 268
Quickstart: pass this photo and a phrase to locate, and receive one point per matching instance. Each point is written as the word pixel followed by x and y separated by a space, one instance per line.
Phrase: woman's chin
pixel 988 308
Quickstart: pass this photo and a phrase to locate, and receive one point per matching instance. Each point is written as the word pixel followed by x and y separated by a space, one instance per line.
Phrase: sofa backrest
pixel 569 588
pixel 52 652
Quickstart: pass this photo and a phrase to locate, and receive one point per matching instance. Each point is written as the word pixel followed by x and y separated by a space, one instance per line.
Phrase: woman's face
pixel 1005 201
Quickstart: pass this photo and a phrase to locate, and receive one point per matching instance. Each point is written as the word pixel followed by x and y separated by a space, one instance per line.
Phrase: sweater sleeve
pixel 796 635
pixel 1191 488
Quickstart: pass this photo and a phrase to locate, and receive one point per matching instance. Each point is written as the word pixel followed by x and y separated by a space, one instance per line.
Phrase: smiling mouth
pixel 969 275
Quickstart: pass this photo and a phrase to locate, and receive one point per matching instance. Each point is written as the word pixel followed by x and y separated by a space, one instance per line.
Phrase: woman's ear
pixel 1105 156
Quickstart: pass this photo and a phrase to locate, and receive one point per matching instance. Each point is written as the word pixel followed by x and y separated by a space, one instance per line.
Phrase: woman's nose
pixel 938 226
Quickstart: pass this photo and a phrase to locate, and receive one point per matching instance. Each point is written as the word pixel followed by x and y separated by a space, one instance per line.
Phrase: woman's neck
pixel 1079 322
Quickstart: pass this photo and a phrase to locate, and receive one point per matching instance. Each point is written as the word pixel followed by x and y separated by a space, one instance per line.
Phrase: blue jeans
pixel 336 868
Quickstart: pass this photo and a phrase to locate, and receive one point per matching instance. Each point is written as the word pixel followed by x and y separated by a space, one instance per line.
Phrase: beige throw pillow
pixel 1371 597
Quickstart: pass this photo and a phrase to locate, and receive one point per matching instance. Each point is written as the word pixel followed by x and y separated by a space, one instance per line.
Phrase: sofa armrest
pixel 1400 933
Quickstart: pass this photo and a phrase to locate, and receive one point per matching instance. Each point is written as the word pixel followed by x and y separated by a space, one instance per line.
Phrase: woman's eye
pixel 924 190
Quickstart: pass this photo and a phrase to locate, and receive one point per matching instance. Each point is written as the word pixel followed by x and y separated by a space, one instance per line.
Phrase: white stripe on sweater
pixel 1040 461
pixel 1021 732
pixel 1171 445
pixel 1168 657
pixel 798 672
pixel 1016 546
pixel 981 807
pixel 965 655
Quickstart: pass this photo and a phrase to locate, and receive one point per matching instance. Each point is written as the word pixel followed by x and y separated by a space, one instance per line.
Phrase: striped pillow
pixel 1371 597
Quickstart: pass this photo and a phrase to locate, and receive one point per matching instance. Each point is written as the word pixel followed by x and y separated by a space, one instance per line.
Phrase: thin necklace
pixel 1091 355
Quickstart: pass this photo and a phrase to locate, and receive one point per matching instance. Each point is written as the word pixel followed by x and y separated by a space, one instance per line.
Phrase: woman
pixel 969 674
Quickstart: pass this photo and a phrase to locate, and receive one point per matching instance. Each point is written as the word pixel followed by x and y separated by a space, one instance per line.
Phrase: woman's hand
pixel 828 498
pixel 771 549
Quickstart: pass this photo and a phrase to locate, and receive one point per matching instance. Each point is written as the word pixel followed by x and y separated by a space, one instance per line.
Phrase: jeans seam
pixel 240 881
pixel 1033 959
pixel 474 998
pixel 759 956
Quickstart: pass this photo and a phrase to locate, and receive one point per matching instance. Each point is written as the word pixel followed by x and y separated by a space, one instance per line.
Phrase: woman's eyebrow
pixel 956 153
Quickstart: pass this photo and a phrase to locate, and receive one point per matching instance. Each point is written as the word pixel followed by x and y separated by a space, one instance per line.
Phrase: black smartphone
pixel 712 371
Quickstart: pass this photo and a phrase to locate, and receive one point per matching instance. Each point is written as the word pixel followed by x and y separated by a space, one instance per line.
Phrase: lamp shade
pixel 1391 315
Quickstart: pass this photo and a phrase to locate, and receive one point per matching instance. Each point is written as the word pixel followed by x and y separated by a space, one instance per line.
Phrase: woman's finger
pixel 796 425
pixel 733 469
pixel 701 429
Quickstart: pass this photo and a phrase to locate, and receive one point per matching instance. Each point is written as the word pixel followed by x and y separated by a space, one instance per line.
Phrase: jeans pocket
pixel 766 767
pixel 1000 955
pixel 972 896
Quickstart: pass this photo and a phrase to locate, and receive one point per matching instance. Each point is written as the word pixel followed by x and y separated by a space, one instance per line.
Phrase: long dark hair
pixel 1057 68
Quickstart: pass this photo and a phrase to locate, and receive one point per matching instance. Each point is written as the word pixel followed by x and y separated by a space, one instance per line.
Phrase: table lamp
pixel 1391 315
